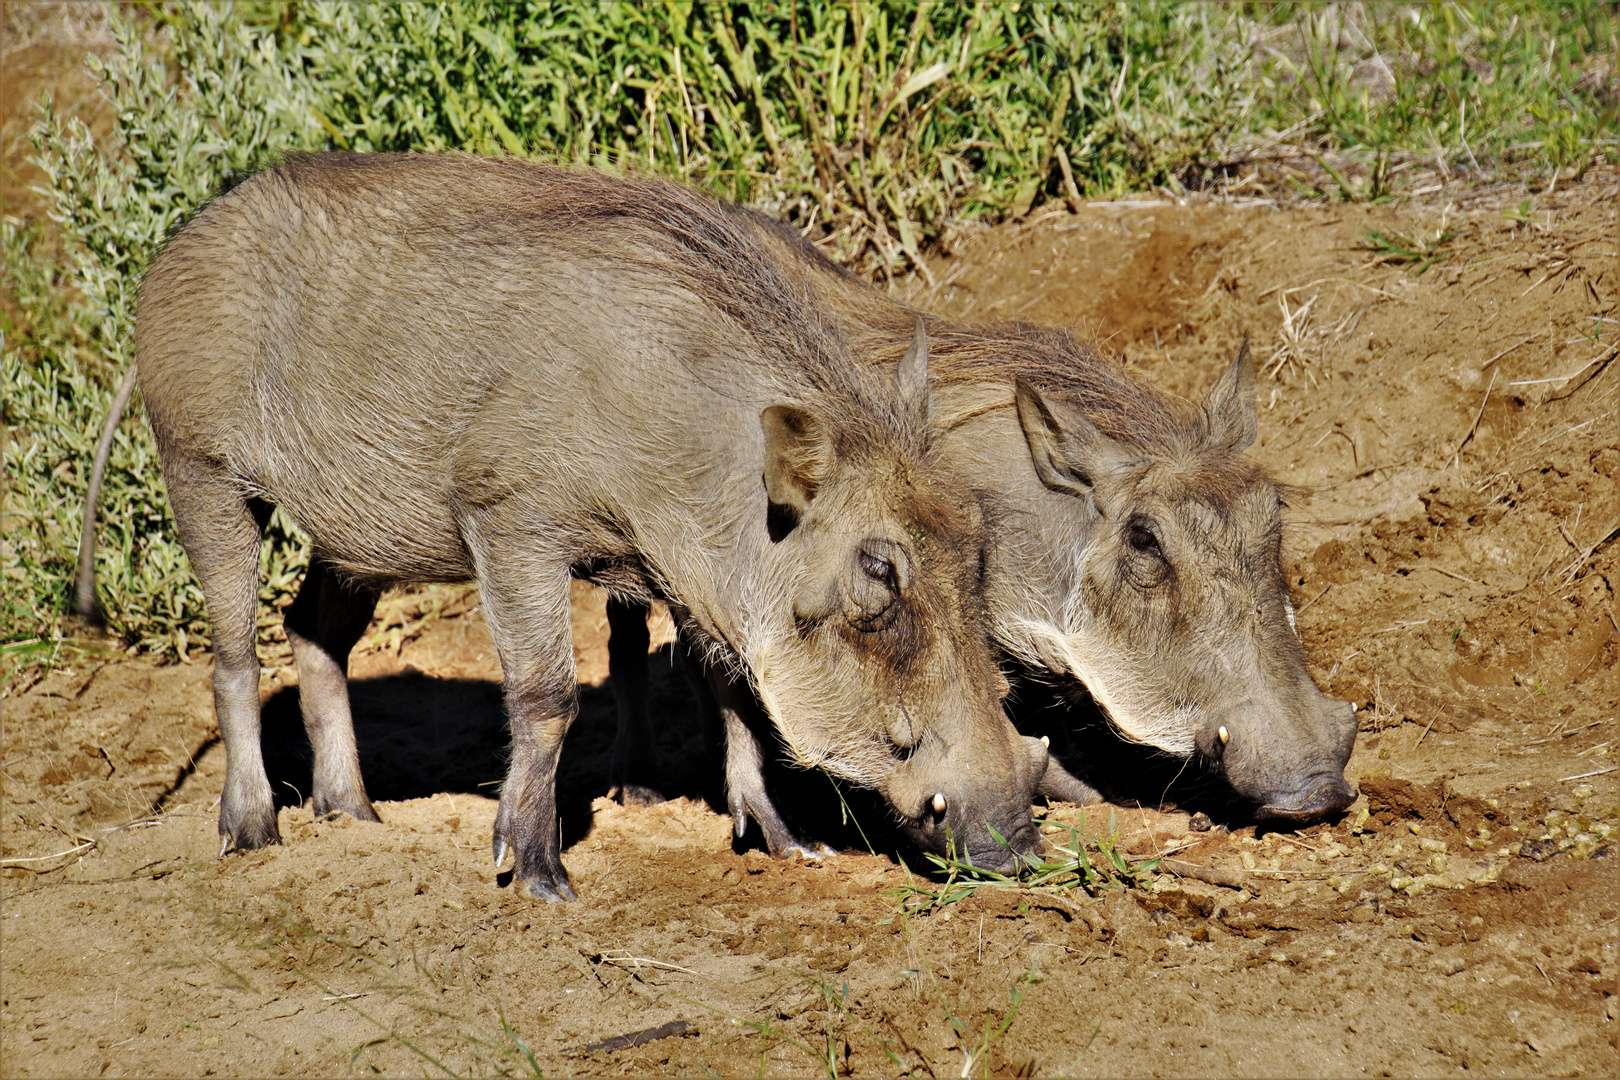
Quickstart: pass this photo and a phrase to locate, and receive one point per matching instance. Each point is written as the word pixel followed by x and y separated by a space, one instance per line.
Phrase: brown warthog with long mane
pixel 449 368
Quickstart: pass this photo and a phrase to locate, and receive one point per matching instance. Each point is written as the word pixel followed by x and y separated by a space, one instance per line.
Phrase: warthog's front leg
pixel 525 601
pixel 526 823
pixel 745 774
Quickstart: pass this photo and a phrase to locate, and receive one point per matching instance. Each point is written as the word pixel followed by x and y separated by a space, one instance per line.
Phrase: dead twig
pixel 1454 574
pixel 1426 730
pixel 1607 357
pixel 20 863
pixel 640 1038
pixel 1503 353
pixel 1456 455
pixel 1315 598
pixel 1231 879
pixel 642 961
pixel 1585 556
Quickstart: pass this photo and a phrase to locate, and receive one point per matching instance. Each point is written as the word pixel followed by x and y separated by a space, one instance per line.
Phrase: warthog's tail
pixel 85 602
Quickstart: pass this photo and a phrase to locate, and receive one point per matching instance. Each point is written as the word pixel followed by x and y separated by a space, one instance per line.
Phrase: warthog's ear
pixel 1067 449
pixel 911 380
pixel 1233 424
pixel 798 456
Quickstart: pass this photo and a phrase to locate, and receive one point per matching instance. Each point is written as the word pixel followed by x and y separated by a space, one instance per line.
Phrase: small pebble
pixel 1200 821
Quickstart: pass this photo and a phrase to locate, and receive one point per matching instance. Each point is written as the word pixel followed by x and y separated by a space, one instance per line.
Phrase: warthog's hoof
pixel 553 892
pixel 360 810
pixel 247 835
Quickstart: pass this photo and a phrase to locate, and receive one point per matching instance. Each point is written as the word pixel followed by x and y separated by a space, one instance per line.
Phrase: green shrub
pixel 882 122
pixel 876 124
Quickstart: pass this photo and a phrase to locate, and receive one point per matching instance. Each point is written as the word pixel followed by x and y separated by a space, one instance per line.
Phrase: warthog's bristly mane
pixel 712 248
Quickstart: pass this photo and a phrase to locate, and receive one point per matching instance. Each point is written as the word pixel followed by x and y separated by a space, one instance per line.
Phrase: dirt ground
pixel 1452 552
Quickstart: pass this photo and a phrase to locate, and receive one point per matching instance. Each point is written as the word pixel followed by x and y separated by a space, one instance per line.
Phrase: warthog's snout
pixel 1287 759
pixel 961 813
pixel 1319 796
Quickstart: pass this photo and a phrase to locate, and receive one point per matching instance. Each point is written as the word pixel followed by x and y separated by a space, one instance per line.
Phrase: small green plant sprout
pixel 1077 861
pixel 846 815
pixel 1455 634
pixel 1520 215
pixel 838 999
pixel 1400 250
pixel 975 1047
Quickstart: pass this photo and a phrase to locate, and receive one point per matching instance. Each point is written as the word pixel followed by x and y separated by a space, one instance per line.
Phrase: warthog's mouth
pixel 1009 859
pixel 1329 796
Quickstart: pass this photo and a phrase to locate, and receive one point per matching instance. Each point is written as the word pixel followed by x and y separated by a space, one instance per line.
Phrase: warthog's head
pixel 884 673
pixel 1178 619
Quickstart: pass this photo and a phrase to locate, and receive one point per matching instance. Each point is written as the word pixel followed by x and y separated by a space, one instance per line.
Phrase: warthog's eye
pixel 1140 535
pixel 879 570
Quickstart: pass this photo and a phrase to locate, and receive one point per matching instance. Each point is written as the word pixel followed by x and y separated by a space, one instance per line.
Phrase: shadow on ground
pixel 421 735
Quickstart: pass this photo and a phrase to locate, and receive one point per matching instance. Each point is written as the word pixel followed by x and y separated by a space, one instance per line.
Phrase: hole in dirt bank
pixel 1127 277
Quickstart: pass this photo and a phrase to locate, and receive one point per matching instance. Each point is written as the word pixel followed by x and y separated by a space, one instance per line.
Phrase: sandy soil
pixel 1453 558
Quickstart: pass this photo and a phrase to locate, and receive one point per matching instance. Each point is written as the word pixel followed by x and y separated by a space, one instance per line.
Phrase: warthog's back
pixel 372 342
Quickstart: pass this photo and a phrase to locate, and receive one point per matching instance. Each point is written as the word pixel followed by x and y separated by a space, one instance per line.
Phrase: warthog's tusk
pixel 939 802
pixel 1046 741
pixel 1226 736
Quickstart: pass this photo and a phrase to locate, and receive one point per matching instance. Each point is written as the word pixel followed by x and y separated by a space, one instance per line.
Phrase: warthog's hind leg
pixel 323 624
pixel 220 531
pixel 635 761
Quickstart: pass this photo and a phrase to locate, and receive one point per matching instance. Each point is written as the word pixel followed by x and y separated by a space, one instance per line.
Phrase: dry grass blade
pixel 1456 454
pixel 1585 555
pixel 1292 338
pixel 626 960
pixel 70 854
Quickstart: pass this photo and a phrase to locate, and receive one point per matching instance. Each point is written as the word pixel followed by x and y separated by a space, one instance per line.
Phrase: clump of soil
pixel 1452 436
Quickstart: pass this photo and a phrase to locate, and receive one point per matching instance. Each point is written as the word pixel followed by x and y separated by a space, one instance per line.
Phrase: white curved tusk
pixel 1046 741
pixel 1226 736
pixel 939 802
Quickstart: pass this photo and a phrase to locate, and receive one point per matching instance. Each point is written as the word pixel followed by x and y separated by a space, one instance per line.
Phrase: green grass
pixel 877 126
pixel 1416 252
pixel 1078 863
pixel 1513 88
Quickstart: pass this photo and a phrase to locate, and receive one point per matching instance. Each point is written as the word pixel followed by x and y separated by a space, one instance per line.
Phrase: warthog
pixel 449 368
pixel 1138 551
